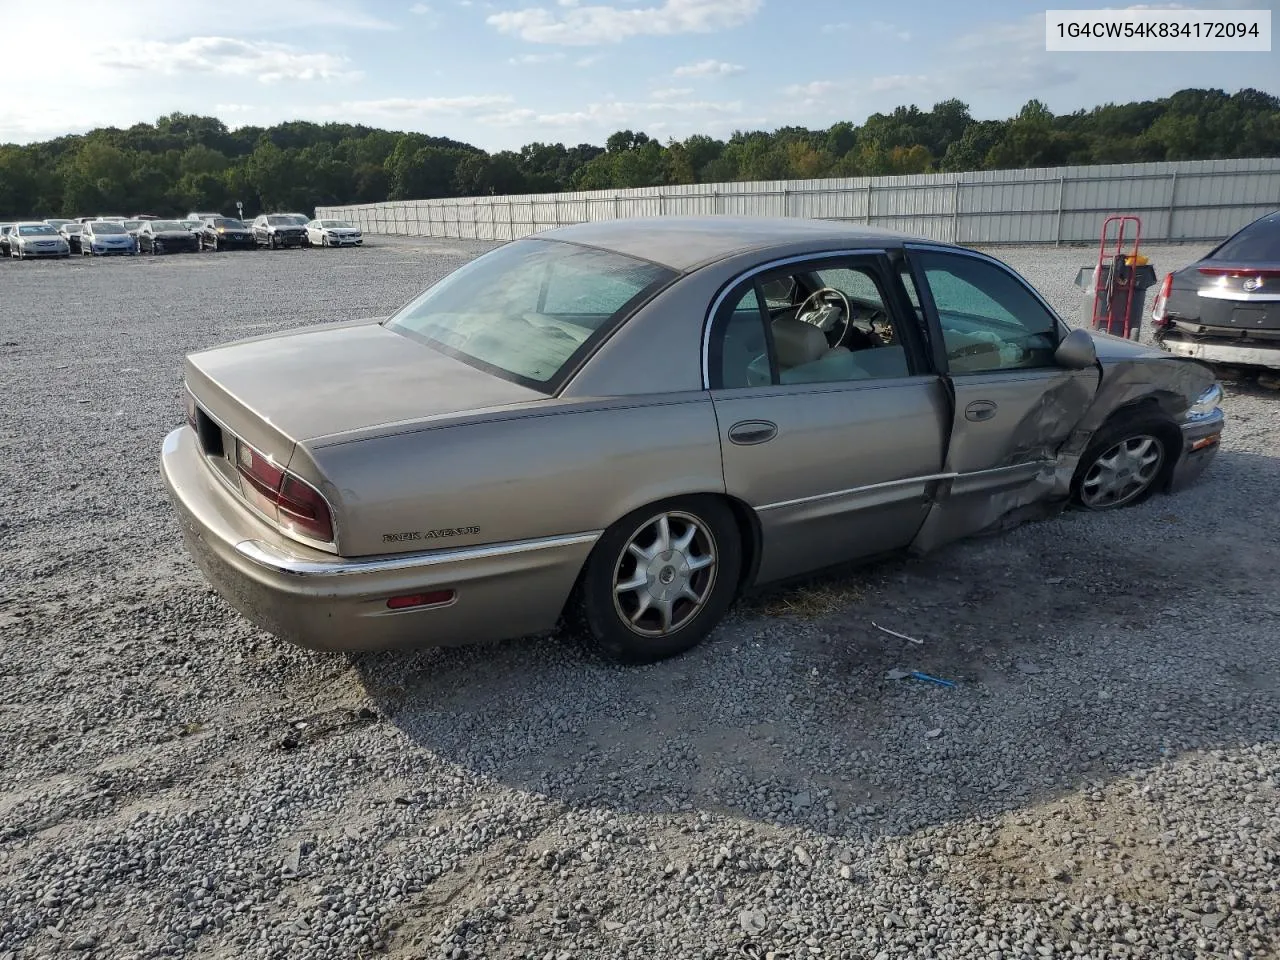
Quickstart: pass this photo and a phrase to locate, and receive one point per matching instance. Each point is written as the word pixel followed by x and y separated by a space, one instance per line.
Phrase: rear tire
pixel 1125 463
pixel 659 580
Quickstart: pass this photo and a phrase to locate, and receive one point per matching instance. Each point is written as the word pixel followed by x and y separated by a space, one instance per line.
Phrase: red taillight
pixel 1160 306
pixel 294 504
pixel 433 599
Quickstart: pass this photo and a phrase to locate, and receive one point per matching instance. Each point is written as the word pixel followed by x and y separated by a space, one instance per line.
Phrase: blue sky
pixel 501 73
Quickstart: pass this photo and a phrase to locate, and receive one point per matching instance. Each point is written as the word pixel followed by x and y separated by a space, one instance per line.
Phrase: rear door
pixel 1013 406
pixel 837 450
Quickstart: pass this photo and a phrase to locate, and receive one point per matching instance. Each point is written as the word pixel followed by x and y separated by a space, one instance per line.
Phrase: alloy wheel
pixel 1123 472
pixel 665 575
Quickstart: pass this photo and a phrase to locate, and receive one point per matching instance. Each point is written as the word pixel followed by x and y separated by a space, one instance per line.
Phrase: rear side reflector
pixel 435 598
pixel 294 504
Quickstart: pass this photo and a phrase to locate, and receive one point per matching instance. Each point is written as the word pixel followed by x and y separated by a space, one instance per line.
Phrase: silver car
pixel 333 233
pixel 100 238
pixel 626 423
pixel 33 239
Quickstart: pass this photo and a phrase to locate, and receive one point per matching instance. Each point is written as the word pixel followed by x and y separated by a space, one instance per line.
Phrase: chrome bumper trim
pixel 278 561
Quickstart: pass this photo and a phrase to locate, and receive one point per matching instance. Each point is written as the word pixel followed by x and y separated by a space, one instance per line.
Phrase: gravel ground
pixel 1101 781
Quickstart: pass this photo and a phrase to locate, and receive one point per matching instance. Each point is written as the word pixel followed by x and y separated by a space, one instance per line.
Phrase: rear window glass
pixel 1259 241
pixel 528 310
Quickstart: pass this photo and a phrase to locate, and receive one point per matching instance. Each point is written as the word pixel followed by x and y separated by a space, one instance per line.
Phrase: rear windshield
pixel 36 230
pixel 1260 241
pixel 107 227
pixel 530 309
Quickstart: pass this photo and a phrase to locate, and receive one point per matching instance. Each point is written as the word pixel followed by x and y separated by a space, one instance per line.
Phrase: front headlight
pixel 1206 403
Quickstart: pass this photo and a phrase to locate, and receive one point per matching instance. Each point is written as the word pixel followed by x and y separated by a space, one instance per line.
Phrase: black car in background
pixel 225 233
pixel 166 236
pixel 5 230
pixel 1225 307
pixel 275 230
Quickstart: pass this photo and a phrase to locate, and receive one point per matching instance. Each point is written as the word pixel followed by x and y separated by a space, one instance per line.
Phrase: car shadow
pixel 1077 649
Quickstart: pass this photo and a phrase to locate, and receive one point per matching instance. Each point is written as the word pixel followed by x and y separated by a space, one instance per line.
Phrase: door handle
pixel 748 432
pixel 980 410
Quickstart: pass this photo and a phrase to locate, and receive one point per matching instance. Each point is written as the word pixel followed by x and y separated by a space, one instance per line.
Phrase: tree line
pixel 184 162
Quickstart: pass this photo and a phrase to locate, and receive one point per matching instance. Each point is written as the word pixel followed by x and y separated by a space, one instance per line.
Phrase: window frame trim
pixel 894 296
pixel 934 319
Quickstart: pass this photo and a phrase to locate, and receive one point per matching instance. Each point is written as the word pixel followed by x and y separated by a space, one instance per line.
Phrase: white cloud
pixel 898 81
pixel 813 89
pixel 880 27
pixel 670 93
pixel 226 108
pixel 579 25
pixel 507 118
pixel 707 68
pixel 527 59
pixel 420 9
pixel 1018 48
pixel 401 109
pixel 264 61
pixel 588 61
pixel 623 112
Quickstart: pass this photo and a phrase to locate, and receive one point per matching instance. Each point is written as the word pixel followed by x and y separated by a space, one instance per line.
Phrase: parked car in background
pixel 5 229
pixel 71 233
pixel 133 226
pixel 782 395
pixel 274 230
pixel 225 233
pixel 300 218
pixel 35 238
pixel 166 236
pixel 100 238
pixel 111 219
pixel 85 219
pixel 195 226
pixel 202 216
pixel 1225 307
pixel 58 222
pixel 145 216
pixel 333 233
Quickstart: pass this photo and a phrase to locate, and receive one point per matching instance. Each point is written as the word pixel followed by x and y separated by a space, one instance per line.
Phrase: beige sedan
pixel 625 424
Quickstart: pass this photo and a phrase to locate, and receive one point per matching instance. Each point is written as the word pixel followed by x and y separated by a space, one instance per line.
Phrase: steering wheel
pixel 824 314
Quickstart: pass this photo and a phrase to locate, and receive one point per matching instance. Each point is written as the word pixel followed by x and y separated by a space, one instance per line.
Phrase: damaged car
pixel 622 425
pixel 1225 307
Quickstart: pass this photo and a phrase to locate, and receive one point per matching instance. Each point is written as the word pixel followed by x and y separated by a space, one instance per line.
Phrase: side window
pixel 825 324
pixel 740 350
pixel 990 319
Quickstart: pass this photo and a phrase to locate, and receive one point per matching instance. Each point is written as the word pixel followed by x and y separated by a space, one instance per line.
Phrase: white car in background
pixel 333 233
pixel 35 238
pixel 100 238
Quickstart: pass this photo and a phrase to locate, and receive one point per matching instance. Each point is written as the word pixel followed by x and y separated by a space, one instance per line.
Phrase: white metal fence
pixel 1184 200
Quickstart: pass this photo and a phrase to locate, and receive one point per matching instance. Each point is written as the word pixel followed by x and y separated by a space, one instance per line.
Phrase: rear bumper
pixel 324 602
pixel 1251 353
pixel 1200 442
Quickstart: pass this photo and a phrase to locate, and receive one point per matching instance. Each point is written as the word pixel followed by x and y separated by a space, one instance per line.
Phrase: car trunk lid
pixel 283 389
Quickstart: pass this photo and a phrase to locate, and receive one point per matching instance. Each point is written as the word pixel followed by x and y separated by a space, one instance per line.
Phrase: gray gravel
pixel 1101 782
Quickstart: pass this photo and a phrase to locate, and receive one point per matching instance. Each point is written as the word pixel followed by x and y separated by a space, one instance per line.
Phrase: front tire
pixel 659 580
pixel 1124 464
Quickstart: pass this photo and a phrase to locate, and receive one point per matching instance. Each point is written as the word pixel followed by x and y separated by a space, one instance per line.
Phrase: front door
pixel 831 428
pixel 1013 406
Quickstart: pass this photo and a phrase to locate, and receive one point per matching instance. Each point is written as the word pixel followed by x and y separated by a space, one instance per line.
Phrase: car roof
pixel 683 243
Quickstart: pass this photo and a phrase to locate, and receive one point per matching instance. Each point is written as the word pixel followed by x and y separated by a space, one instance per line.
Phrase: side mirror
pixel 1076 351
